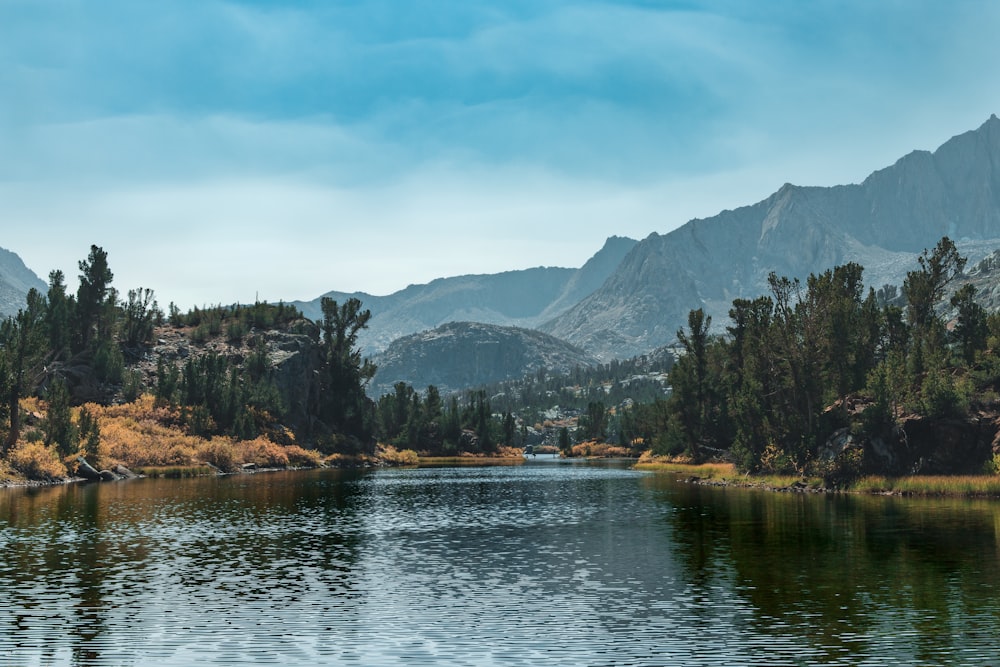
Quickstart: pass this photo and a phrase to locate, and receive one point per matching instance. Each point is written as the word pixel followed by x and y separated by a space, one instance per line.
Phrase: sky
pixel 227 151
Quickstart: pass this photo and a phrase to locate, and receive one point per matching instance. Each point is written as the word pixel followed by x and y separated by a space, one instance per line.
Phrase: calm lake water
pixel 548 563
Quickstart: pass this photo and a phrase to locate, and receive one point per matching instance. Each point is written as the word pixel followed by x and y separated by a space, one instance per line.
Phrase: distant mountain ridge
pixel 459 355
pixel 15 281
pixel 524 298
pixel 881 223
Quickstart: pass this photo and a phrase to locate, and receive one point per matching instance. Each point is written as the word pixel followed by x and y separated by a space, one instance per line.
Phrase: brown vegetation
pixel 597 449
pixel 149 438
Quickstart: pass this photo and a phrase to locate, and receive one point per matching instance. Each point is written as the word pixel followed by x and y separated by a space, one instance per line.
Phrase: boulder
pixel 85 470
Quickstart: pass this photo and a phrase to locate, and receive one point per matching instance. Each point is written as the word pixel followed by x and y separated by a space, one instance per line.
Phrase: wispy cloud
pixel 241 135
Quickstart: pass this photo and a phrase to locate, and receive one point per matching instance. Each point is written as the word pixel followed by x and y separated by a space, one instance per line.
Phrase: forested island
pixel 823 380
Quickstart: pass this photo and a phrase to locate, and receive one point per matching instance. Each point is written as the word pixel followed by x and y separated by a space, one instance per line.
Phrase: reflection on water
pixel 544 563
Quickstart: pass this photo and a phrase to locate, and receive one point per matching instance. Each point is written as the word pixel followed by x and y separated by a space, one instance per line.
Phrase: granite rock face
pixel 460 355
pixel 15 281
pixel 882 223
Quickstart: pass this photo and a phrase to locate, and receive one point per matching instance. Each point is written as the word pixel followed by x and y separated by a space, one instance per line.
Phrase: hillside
pixel 459 355
pixel 15 281
pixel 881 223
pixel 523 298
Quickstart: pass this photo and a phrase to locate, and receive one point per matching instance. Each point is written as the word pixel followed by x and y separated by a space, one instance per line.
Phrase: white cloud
pixel 230 151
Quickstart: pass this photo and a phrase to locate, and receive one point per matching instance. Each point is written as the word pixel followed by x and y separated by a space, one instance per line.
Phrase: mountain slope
pixel 881 223
pixel 459 355
pixel 513 298
pixel 15 281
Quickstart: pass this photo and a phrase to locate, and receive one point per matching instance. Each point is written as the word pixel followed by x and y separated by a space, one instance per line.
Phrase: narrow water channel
pixel 547 563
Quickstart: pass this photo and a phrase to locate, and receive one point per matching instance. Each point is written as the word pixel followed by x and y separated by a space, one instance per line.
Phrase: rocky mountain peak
pixel 881 223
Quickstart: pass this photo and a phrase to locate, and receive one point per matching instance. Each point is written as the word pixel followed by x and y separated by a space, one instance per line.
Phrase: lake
pixel 546 563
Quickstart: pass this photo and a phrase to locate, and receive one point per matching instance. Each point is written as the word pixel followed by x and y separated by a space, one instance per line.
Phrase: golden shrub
pixel 36 461
pixel 262 452
pixel 219 451
pixel 303 458
pixel 393 456
pixel 599 449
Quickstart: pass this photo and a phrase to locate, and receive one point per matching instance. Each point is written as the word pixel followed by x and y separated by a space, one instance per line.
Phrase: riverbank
pixel 152 441
pixel 725 474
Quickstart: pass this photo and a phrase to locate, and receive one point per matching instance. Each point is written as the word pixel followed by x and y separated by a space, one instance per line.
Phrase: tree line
pixel 70 348
pixel 797 365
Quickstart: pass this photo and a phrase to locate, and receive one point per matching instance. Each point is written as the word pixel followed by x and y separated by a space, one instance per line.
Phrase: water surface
pixel 547 563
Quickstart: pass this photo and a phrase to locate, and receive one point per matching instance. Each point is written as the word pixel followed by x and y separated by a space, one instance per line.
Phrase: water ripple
pixel 541 564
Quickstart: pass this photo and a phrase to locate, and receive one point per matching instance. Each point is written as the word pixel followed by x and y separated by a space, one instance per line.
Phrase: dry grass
pixel 917 485
pixel 931 485
pixel 715 471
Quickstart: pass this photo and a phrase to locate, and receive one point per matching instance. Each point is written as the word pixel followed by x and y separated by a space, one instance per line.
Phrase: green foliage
pixel 971 328
pixel 132 385
pixel 167 383
pixel 89 430
pixel 94 297
pixel 59 314
pixel 780 384
pixel 109 364
pixel 407 420
pixel 343 404
pixel 22 352
pixel 940 396
pixel 59 427
pixel 565 446
pixel 594 424
pixel 139 315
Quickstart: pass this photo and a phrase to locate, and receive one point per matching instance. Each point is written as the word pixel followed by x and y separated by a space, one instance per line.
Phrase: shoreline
pixel 345 463
pixel 914 486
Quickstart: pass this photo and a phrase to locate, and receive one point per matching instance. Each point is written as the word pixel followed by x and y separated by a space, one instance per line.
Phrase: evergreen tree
pixel 343 403
pixel 59 427
pixel 22 343
pixel 59 316
pixel 92 296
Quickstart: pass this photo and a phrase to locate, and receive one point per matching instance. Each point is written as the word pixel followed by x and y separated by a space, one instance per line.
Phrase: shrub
pixel 263 453
pixel 303 458
pixel 992 466
pixel 220 453
pixel 36 461
pixel 775 460
pixel 235 331
pixel 599 449
pixel 393 456
pixel 131 385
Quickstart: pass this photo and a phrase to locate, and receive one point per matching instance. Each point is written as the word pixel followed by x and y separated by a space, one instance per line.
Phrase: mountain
pixel 881 223
pixel 523 298
pixel 459 355
pixel 15 281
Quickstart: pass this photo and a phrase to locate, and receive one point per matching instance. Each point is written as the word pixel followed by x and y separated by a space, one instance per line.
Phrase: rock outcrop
pixel 15 281
pixel 461 355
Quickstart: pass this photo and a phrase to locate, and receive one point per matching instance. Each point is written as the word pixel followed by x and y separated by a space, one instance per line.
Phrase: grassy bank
pixel 973 486
pixel 725 474
pixel 151 440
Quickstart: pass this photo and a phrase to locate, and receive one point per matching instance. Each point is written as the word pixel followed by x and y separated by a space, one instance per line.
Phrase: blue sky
pixel 224 151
